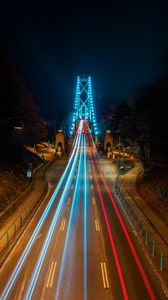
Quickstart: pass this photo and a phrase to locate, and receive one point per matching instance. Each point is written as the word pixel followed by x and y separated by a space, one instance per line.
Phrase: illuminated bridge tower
pixel 84 106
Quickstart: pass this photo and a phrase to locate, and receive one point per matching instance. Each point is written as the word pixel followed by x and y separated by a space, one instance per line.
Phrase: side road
pixel 45 177
pixel 36 188
pixel 129 184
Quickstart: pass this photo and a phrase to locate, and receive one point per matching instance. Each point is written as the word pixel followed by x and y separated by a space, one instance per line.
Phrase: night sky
pixel 122 44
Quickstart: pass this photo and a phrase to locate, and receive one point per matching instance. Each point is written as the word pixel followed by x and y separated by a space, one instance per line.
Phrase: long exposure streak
pixel 125 295
pixel 43 252
pixel 140 267
pixel 69 226
pixel 37 229
pixel 85 223
pixel 75 242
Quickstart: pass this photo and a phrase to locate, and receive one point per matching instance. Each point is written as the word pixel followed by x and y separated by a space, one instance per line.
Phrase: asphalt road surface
pixel 78 245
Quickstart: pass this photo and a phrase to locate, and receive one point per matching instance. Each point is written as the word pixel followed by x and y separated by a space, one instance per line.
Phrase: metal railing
pixel 9 235
pixel 148 234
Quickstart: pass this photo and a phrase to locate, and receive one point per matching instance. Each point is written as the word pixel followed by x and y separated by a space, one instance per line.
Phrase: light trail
pixel 122 282
pixel 137 260
pixel 21 261
pixel 85 223
pixel 36 272
pixel 74 199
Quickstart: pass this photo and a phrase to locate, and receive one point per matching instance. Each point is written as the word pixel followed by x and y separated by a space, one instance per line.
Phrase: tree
pixel 17 107
pixel 141 121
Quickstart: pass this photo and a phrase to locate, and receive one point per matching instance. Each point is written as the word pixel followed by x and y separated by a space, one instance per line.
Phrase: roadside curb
pixel 11 233
pixel 30 187
pixel 16 227
pixel 146 232
pixel 5 251
pixel 152 218
pixel 139 215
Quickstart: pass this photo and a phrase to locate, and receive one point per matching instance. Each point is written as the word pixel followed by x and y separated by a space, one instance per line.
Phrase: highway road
pixel 78 245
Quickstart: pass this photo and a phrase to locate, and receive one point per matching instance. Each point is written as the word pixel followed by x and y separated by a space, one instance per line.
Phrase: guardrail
pixel 148 234
pixel 18 223
pixel 26 191
pixel 9 235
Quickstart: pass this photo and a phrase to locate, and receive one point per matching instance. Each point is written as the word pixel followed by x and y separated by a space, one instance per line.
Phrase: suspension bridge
pixel 79 243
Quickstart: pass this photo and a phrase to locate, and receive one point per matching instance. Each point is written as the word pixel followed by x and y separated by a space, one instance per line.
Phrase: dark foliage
pixel 20 122
pixel 142 122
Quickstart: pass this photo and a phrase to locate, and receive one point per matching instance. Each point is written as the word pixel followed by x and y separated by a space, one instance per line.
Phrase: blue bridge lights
pixel 83 104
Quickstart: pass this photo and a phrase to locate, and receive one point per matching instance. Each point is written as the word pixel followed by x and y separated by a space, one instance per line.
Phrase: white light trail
pixel 69 226
pixel 44 249
pixel 21 261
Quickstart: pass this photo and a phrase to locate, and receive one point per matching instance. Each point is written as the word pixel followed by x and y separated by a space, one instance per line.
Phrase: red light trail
pixel 125 295
pixel 139 265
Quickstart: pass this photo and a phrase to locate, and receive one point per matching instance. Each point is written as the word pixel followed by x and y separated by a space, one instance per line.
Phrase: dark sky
pixel 120 43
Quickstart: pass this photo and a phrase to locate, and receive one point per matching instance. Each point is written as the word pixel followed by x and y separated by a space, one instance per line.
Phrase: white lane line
pixel 74 176
pixel 103 278
pixel 104 275
pixel 97 225
pixel 20 296
pixel 69 200
pixel 91 186
pixel 49 275
pixel 62 227
pixel 72 187
pixel 90 177
pixel 93 200
pixel 64 222
pixel 53 273
pixel 105 270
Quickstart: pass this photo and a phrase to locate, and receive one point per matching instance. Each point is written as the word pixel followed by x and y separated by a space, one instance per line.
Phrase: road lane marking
pixel 90 177
pixel 74 176
pixel 53 273
pixel 104 275
pixel 72 187
pixel 62 227
pixel 49 275
pixel 97 225
pixel 20 296
pixel 38 236
pixel 107 281
pixel 91 186
pixel 93 200
pixel 69 200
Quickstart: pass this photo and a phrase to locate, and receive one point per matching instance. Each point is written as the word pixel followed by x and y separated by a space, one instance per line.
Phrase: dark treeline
pixel 142 122
pixel 20 121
